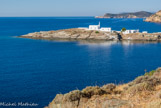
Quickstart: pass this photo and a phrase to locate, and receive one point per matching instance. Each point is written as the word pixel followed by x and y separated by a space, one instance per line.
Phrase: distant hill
pixel 155 17
pixel 141 14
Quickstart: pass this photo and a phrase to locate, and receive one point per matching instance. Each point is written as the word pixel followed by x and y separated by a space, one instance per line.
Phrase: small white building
pixel 106 29
pixel 130 31
pixel 98 27
pixel 145 32
pixel 94 27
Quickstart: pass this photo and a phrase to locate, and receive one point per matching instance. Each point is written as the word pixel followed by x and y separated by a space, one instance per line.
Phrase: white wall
pixel 145 32
pixel 130 31
pixel 94 27
pixel 106 29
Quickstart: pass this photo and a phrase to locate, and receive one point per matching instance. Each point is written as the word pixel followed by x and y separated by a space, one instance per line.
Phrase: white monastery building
pixel 108 29
pixel 97 27
pixel 145 32
pixel 94 27
pixel 130 31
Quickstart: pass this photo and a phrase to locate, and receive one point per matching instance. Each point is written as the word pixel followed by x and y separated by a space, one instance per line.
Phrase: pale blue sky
pixel 74 7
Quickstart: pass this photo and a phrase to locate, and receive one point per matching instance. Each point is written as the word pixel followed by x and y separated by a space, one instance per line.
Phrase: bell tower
pixel 99 24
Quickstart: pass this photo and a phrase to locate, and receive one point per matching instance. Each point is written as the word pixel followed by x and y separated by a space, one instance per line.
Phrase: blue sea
pixel 35 71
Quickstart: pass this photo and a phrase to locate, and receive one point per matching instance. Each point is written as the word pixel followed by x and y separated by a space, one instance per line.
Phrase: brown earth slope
pixel 143 92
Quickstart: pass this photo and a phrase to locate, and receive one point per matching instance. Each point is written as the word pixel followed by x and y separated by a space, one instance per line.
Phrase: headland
pixel 155 17
pixel 83 34
pixel 140 14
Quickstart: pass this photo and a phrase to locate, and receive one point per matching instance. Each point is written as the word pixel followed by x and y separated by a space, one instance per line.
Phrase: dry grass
pixel 143 92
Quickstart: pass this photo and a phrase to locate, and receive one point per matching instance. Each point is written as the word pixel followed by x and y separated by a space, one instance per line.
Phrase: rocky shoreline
pixel 81 34
pixel 155 17
pixel 72 34
pixel 143 92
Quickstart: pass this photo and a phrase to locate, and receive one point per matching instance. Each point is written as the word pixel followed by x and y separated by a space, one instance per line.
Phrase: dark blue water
pixel 36 70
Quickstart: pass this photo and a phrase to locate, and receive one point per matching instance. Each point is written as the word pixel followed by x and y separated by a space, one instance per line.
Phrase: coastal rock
pixel 77 34
pixel 61 34
pixel 99 36
pixel 143 92
pixel 81 34
pixel 142 36
pixel 155 17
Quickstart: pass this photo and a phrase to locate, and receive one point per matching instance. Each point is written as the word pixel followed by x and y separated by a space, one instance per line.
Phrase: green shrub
pixel 150 73
pixel 123 29
pixel 88 92
pixel 97 32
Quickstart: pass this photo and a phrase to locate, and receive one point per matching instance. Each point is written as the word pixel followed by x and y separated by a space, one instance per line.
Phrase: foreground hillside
pixel 155 17
pixel 143 92
pixel 141 14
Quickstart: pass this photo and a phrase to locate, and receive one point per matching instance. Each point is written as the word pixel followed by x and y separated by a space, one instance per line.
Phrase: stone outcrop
pixel 143 92
pixel 155 17
pixel 81 34
pixel 73 34
pixel 142 36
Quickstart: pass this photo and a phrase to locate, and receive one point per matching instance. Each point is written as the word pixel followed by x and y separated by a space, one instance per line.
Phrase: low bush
pixel 150 73
pixel 90 91
pixel 97 32
pixel 123 29
pixel 73 95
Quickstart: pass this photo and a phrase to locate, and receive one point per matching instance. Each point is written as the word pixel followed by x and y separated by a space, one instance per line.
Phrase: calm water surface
pixel 36 70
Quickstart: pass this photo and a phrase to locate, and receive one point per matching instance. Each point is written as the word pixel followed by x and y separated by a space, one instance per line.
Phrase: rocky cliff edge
pixel 143 92
pixel 155 17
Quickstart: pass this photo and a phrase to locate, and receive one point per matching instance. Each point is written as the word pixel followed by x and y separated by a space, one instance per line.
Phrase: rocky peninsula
pixel 81 34
pixel 155 17
pixel 143 92
pixel 72 34
pixel 141 14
